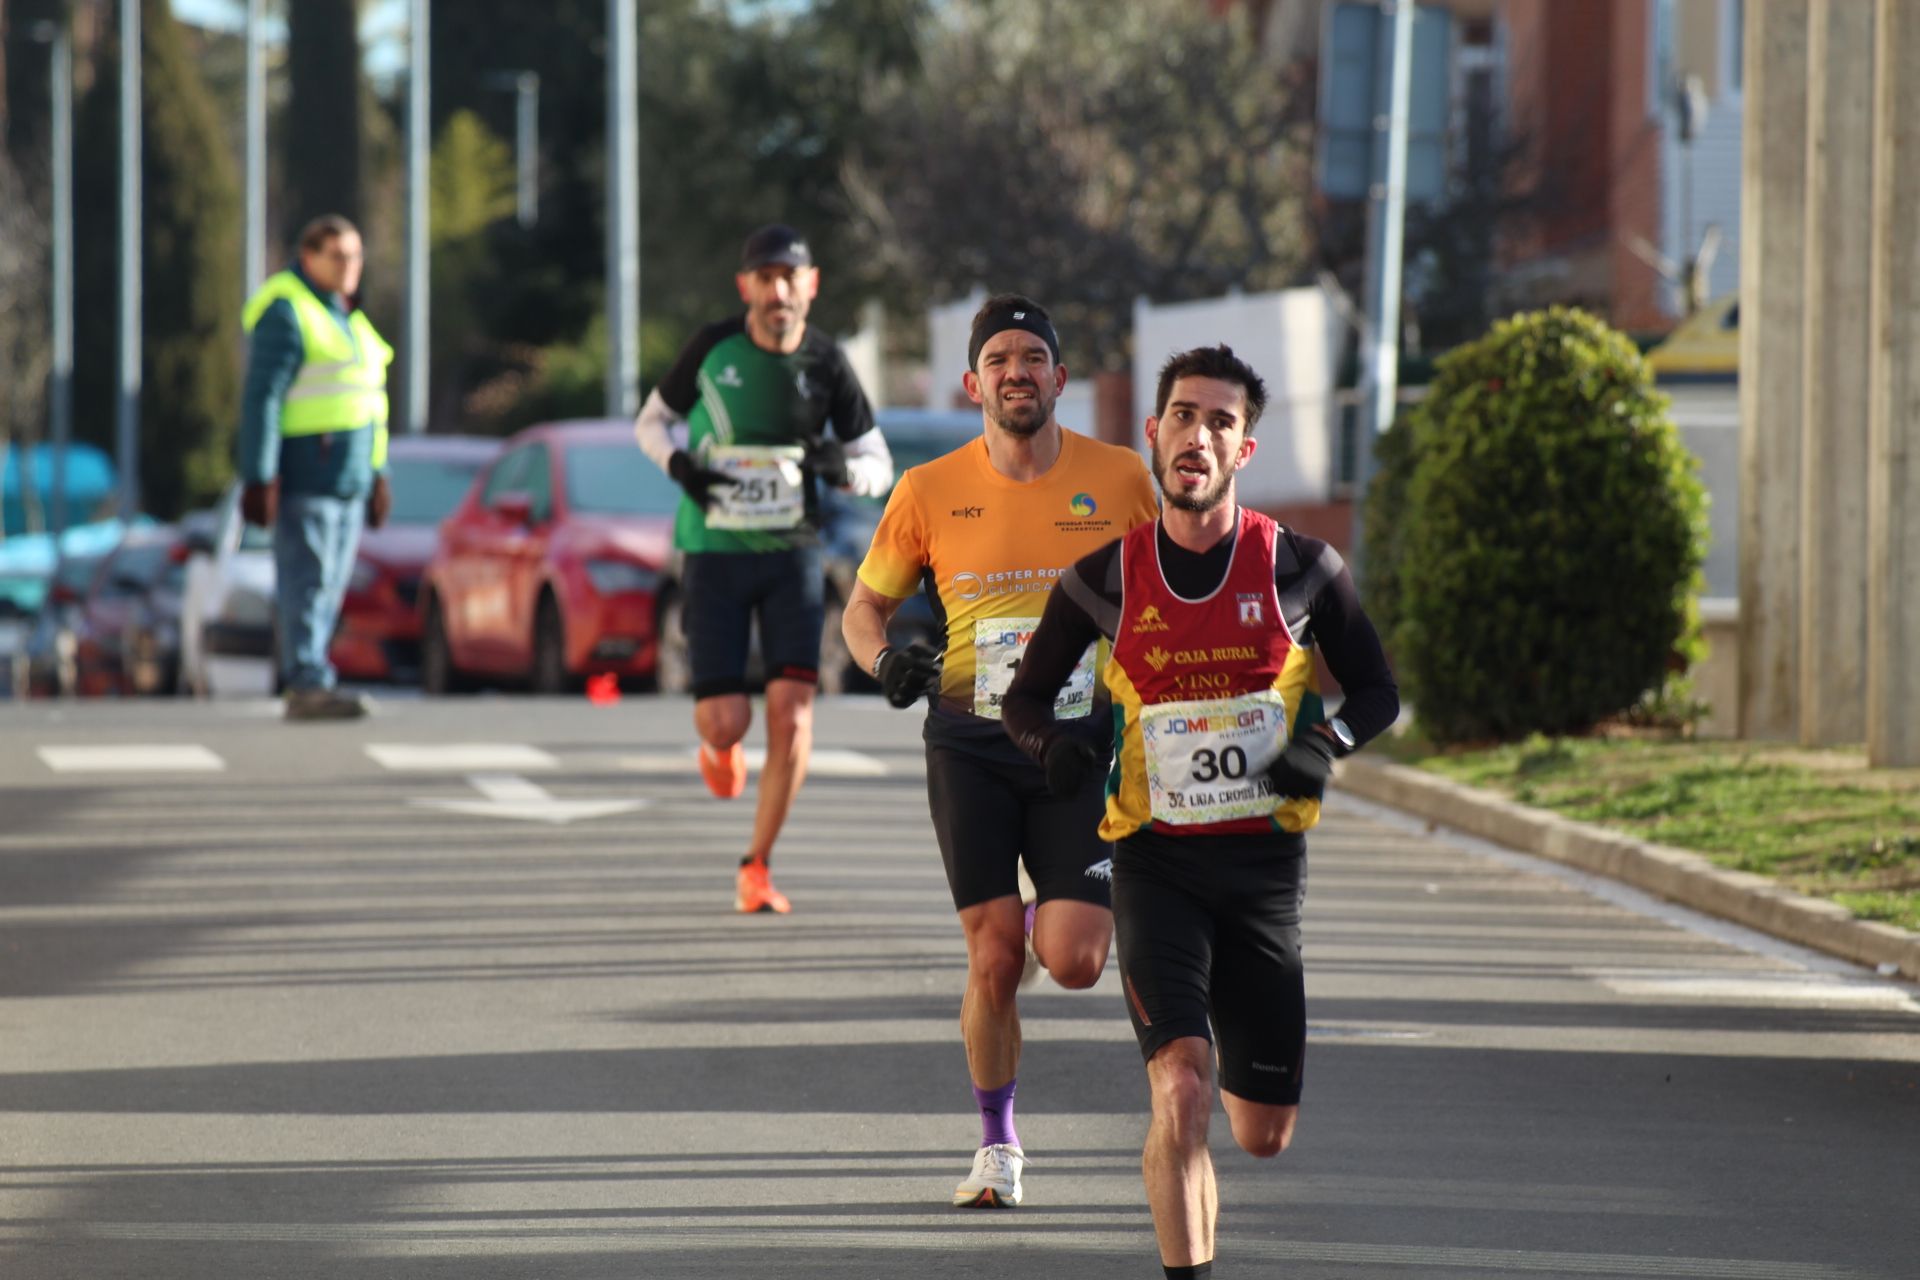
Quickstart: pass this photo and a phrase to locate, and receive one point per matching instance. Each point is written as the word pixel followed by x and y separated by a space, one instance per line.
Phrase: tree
pixel 191 287
pixel 323 122
pixel 25 353
pixel 1087 155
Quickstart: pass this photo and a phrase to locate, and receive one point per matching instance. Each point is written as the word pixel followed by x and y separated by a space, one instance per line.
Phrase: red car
pixel 551 567
pixel 379 633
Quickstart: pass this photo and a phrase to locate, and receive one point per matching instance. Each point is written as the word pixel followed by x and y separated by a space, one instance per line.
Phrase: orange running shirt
pixel 994 547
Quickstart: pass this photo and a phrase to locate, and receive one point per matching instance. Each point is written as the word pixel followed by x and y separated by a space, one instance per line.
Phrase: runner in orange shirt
pixel 989 528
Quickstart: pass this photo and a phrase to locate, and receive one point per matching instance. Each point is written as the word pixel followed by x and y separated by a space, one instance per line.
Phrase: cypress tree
pixel 190 288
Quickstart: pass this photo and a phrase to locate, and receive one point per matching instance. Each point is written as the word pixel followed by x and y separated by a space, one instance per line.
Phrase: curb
pixel 1674 874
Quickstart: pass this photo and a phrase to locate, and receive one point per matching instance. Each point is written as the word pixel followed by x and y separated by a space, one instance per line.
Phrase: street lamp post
pixel 254 269
pixel 127 407
pixel 418 212
pixel 623 210
pixel 60 377
pixel 525 87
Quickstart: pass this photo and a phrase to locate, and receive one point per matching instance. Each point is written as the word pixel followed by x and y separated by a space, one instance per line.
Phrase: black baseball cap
pixel 773 243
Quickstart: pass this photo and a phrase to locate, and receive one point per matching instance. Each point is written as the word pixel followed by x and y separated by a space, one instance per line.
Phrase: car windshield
pixel 136 568
pixel 617 479
pixel 426 490
pixel 75 573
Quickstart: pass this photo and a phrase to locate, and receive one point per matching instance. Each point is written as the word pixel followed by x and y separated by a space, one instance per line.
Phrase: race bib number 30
pixel 997 646
pixel 767 492
pixel 1207 759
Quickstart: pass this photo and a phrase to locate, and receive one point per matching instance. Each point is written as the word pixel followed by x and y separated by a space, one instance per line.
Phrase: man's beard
pixel 1039 411
pixel 1199 503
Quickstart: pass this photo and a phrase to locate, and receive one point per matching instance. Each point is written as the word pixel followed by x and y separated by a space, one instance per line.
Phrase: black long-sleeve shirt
pixel 1317 599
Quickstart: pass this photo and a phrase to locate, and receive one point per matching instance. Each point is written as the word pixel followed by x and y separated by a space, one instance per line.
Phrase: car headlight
pixel 364 575
pixel 612 577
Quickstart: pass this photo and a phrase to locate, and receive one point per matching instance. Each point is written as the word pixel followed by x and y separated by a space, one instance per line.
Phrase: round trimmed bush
pixel 1549 551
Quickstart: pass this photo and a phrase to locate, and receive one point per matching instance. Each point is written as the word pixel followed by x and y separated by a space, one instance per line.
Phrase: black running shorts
pixel 989 813
pixel 727 591
pixel 1209 936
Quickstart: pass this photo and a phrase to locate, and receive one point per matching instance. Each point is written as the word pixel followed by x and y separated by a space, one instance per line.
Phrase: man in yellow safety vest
pixel 312 449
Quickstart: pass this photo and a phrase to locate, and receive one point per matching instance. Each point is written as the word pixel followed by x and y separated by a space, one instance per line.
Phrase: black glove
pixel 910 674
pixel 827 458
pixel 698 481
pixel 1069 761
pixel 1302 770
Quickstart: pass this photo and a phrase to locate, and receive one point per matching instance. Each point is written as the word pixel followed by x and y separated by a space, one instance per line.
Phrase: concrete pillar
pixel 1839 260
pixel 1893 496
pixel 1772 269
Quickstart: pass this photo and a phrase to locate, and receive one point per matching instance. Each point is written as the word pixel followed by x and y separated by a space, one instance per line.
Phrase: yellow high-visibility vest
pixel 342 383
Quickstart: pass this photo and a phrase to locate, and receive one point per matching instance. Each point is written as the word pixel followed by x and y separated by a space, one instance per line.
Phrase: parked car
pixel 22 591
pixel 128 629
pixel 51 648
pixel 226 615
pixel 550 568
pixel 379 633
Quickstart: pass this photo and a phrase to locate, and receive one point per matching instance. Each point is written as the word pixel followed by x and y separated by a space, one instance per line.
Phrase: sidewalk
pixel 1674 874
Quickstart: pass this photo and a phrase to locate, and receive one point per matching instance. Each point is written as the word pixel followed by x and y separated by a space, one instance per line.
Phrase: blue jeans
pixel 313 545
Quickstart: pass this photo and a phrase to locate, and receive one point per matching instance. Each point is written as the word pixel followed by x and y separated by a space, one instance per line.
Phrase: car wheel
pixel 438 675
pixel 550 674
pixel 673 669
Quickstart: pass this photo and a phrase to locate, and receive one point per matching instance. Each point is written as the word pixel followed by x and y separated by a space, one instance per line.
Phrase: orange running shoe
pixel 753 891
pixel 725 771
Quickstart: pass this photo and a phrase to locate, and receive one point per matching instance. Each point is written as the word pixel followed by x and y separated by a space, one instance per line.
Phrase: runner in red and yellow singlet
pixel 988 529
pixel 1215 614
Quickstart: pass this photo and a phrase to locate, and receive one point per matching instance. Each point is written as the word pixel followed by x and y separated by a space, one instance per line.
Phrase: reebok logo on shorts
pixel 1102 870
pixel 1261 1066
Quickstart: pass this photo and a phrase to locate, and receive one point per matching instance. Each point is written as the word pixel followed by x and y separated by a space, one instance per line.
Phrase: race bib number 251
pixel 766 492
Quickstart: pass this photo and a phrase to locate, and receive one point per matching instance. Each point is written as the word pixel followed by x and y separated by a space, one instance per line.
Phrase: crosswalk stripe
pixel 825 762
pixel 459 757
pixel 159 757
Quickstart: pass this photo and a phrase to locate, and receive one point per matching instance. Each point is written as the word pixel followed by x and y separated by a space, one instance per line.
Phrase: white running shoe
pixel 995 1180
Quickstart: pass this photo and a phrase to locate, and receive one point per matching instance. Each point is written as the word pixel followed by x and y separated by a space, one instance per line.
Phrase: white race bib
pixel 768 490
pixel 997 646
pixel 1207 759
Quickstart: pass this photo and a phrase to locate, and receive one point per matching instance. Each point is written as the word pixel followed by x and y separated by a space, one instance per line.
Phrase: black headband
pixel 1011 315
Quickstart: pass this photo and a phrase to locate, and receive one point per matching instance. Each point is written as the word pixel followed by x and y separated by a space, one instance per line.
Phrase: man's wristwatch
pixel 1338 728
pixel 874 670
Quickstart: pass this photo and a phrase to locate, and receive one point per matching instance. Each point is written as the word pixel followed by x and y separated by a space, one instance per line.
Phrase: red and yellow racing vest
pixel 1206 694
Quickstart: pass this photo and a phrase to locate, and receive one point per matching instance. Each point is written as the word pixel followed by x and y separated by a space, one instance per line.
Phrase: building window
pixel 1733 44
pixel 1660 56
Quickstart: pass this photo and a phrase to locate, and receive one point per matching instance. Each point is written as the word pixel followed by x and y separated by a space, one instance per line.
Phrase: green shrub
pixel 1382 519
pixel 1548 554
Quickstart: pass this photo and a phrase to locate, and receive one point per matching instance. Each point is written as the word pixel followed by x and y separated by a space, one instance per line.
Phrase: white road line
pixel 183 757
pixel 460 757
pixel 825 762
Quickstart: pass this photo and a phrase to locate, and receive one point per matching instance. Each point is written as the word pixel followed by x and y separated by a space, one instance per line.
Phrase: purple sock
pixel 996 1115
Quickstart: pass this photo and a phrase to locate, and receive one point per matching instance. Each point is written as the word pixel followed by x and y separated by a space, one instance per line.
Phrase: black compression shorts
pixel 991 813
pixel 1209 936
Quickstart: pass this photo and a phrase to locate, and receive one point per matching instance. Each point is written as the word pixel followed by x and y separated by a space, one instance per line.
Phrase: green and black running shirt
pixel 732 392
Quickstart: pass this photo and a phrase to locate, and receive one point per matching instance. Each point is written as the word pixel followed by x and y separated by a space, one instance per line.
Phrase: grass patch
pixel 1817 821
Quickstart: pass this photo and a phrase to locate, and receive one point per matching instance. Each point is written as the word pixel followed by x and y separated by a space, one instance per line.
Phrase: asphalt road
pixel 458 991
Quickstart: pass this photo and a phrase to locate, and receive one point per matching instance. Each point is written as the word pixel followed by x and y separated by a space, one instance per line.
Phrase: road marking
pixel 825 762
pixel 133 758
pixel 460 757
pixel 508 796
pixel 925 1233
pixel 1774 988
